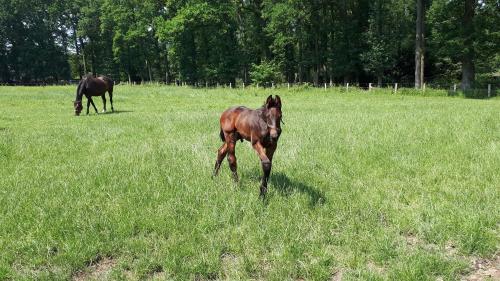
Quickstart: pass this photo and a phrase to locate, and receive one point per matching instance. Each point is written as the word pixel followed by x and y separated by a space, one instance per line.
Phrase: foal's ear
pixel 277 101
pixel 269 101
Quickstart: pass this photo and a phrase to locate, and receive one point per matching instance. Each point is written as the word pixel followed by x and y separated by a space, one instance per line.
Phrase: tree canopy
pixel 225 41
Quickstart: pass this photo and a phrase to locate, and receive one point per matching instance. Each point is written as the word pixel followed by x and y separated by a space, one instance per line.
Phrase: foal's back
pixel 247 122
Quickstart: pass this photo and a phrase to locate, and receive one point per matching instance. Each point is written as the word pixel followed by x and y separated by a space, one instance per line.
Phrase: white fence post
pixel 288 85
pixel 489 90
pixel 454 88
pixel 347 87
pixel 369 86
pixel 230 85
pixel 396 88
pixel 325 86
pixel 423 87
pixel 243 85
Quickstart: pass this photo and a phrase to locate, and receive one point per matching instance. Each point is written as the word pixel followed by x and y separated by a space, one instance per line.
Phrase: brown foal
pixel 261 127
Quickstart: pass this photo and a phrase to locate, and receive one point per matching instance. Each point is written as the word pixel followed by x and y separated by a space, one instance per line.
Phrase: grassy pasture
pixel 365 186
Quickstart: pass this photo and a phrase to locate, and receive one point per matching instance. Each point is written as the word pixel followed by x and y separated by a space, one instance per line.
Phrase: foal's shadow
pixel 286 186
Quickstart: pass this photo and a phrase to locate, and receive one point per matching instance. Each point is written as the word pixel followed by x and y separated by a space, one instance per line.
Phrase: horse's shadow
pixel 116 112
pixel 286 187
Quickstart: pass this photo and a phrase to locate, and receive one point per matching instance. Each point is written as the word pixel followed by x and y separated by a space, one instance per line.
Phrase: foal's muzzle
pixel 274 136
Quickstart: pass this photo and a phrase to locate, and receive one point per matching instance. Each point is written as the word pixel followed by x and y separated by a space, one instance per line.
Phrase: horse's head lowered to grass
pixel 78 107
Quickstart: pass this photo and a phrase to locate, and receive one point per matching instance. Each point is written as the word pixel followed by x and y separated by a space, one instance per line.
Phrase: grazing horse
pixel 93 86
pixel 261 127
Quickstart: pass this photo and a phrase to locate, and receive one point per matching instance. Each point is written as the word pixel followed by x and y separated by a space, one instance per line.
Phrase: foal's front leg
pixel 266 167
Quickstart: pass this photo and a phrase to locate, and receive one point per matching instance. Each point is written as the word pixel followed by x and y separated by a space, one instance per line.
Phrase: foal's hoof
pixel 263 191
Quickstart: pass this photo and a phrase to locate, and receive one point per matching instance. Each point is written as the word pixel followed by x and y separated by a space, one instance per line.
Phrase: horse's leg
pixel 92 102
pixel 88 105
pixel 231 158
pixel 270 151
pixel 266 167
pixel 104 101
pixel 111 99
pixel 221 153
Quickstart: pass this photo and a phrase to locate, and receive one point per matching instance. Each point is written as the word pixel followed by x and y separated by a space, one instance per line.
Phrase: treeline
pixel 225 41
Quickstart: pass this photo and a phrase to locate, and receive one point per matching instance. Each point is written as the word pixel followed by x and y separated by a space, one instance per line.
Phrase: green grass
pixel 370 186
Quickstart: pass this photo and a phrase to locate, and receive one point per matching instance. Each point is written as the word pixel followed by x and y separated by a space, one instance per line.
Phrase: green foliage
pixel 265 73
pixel 202 37
pixel 448 36
pixel 218 41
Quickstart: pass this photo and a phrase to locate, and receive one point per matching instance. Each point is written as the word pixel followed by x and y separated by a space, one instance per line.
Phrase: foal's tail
pixel 221 134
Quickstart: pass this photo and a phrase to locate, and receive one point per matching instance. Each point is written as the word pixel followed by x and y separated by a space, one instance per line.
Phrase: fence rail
pixel 489 89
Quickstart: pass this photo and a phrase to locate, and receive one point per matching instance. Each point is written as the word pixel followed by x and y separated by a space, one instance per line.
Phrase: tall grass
pixel 365 186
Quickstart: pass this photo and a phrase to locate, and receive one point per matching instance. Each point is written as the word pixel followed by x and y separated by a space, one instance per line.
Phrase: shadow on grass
pixel 117 112
pixel 286 186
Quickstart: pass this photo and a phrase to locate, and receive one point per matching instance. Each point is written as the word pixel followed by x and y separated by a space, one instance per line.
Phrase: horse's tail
pixel 221 134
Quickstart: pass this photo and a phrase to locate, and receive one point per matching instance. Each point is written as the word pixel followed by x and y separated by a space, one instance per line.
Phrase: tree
pixel 202 40
pixel 468 34
pixel 464 36
pixel 419 45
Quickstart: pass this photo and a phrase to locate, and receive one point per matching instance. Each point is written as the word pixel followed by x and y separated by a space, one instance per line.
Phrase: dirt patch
pixel 96 270
pixel 156 273
pixel 484 269
pixel 337 276
pixel 412 240
pixel 231 264
pixel 375 268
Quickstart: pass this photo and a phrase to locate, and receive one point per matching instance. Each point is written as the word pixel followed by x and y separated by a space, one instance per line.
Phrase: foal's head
pixel 272 114
pixel 78 107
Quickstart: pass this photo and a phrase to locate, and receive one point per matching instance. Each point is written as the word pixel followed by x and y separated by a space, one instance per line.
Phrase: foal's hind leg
pixel 104 101
pixel 221 153
pixel 231 158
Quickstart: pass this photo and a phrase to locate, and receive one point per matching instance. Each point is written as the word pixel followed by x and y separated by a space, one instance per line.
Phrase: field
pixel 365 186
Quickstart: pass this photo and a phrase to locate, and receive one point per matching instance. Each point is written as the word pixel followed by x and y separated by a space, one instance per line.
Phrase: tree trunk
pixel 419 46
pixel 82 49
pixel 77 48
pixel 468 71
